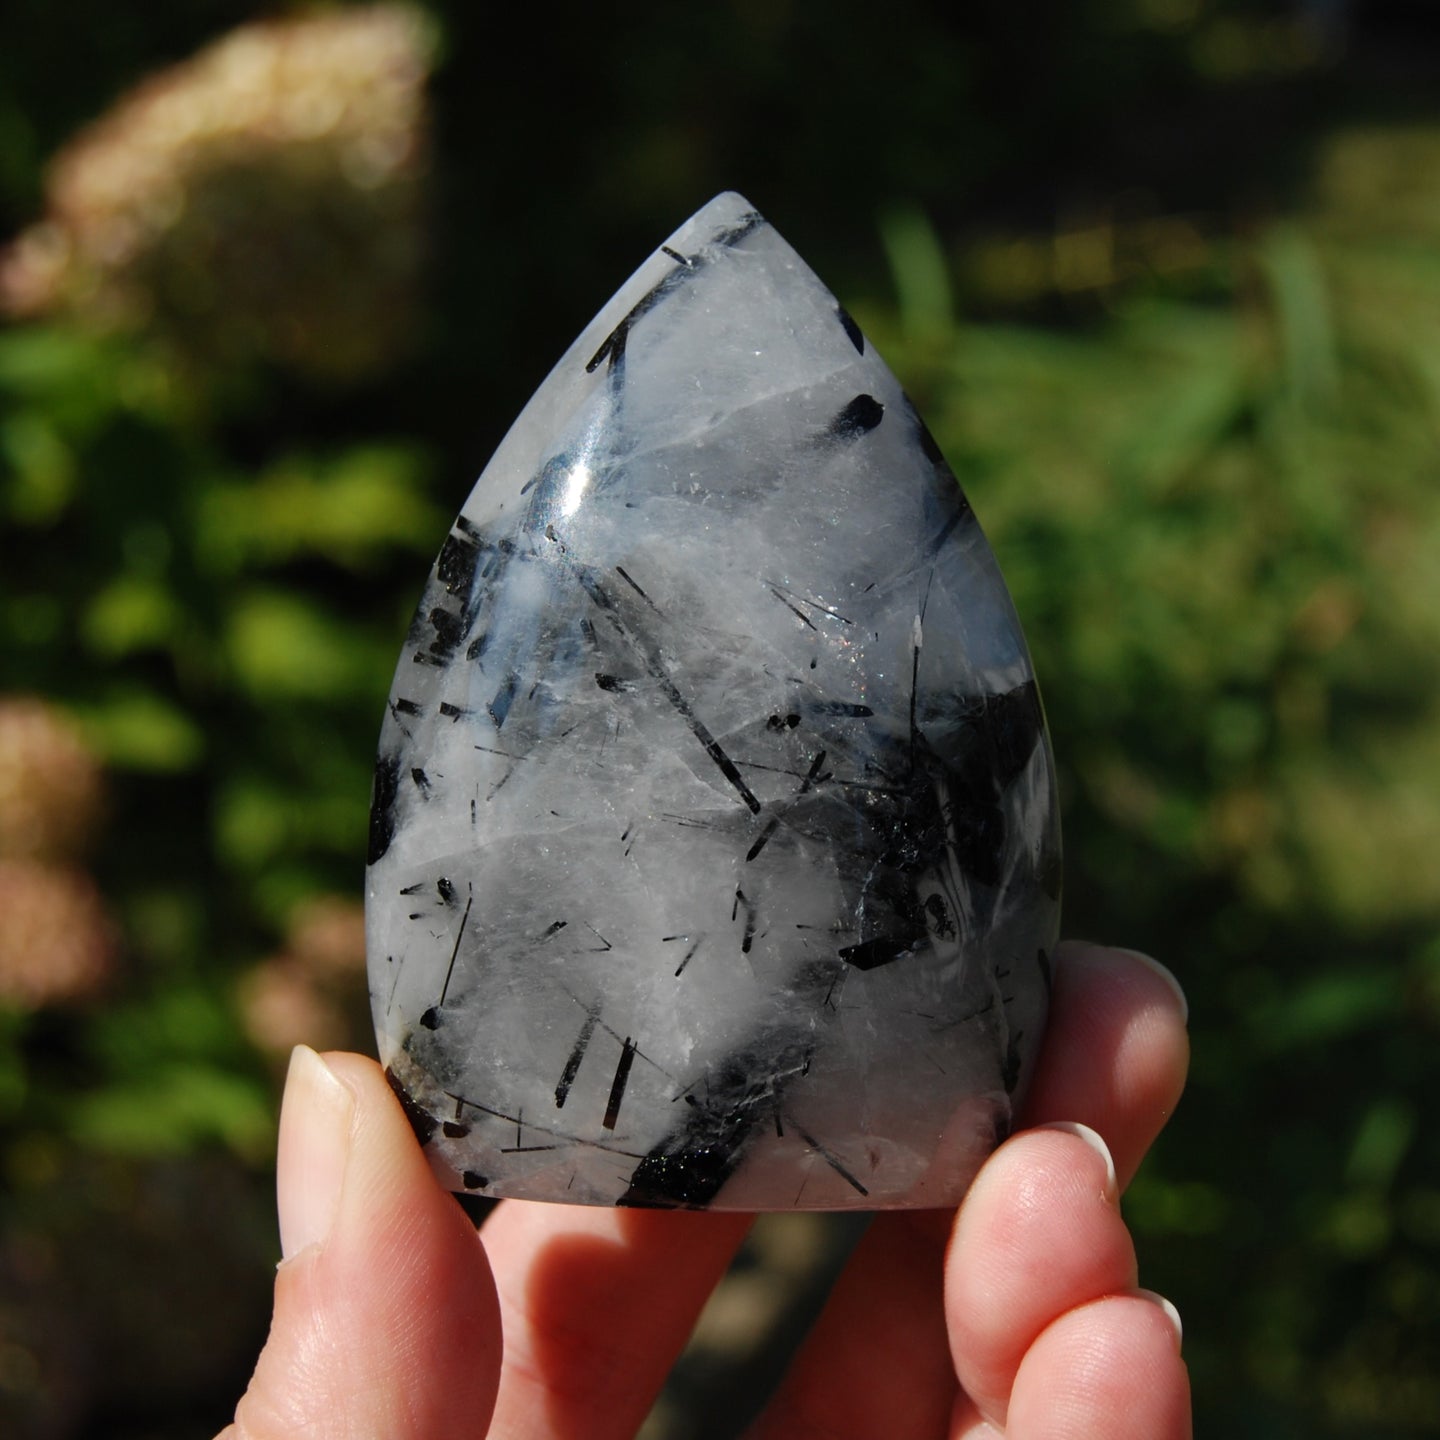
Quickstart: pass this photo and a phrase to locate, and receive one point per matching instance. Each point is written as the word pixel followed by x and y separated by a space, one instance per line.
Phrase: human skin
pixel 1017 1315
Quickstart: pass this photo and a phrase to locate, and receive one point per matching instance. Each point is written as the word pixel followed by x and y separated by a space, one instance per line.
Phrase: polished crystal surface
pixel 714 851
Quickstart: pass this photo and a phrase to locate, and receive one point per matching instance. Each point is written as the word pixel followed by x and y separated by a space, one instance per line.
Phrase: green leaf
pixel 1329 1007
pixel 176 1109
pixel 286 648
pixel 41 359
pixel 350 509
pixel 173 1022
pixel 42 468
pixel 258 820
pixel 1384 1136
pixel 136 729
pixel 920 273
pixel 1301 294
pixel 132 613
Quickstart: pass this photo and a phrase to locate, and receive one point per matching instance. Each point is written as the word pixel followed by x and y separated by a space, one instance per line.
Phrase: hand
pixel 1018 1316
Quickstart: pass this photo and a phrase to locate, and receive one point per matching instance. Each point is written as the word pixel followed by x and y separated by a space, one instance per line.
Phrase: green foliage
pixel 223 631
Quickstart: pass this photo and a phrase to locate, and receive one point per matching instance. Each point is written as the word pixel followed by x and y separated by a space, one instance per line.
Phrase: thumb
pixel 386 1322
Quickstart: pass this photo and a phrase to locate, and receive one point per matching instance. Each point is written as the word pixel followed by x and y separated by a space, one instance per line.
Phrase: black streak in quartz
pixel 949 801
pixel 928 444
pixel 858 418
pixel 459 935
pixel 621 572
pixel 939 913
pixel 745 226
pixel 707 740
pixel 383 794
pixel 1011 725
pixel 422 780
pixel 456 565
pixel 617 1086
pixel 829 1159
pixel 446 889
pixel 499 707
pixel 980 841
pixel 656 667
pixel 830 613
pixel 1014 1061
pixel 687 1169
pixel 449 632
pixel 793 609
pixel 841 709
pixel 560 1135
pixel 769 830
pixel 995 737
pixel 872 954
pixel 951 491
pixel 937 541
pixel 847 321
pixel 914 695
pixel 422 1122
pixel 750 910
pixel 765 836
pixel 612 348
pixel 577 1054
pixel 911 832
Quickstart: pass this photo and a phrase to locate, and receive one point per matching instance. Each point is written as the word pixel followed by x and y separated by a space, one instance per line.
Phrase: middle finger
pixel 596 1304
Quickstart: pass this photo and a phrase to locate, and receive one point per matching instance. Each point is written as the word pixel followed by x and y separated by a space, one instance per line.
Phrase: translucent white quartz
pixel 714 848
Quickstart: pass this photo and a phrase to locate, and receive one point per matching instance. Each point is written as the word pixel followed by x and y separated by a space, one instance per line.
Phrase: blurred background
pixel 1164 277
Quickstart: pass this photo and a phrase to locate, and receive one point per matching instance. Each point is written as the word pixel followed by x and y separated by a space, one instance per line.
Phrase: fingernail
pixel 1171 1313
pixel 1096 1142
pixel 1166 975
pixel 315 1120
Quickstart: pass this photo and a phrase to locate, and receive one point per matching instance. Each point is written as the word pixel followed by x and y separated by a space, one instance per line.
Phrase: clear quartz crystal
pixel 714 851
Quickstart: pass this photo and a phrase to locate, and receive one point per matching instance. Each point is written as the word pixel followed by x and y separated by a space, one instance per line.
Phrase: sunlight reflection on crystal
pixel 576 484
